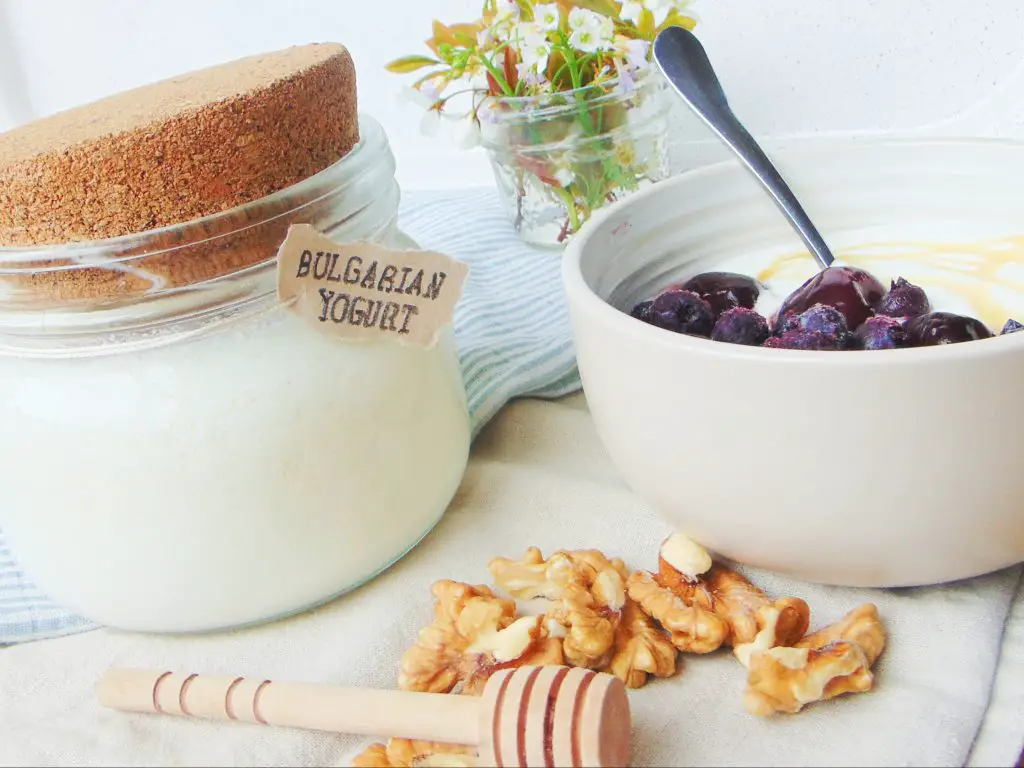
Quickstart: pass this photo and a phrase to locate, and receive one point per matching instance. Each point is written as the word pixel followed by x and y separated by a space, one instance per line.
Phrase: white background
pixel 790 67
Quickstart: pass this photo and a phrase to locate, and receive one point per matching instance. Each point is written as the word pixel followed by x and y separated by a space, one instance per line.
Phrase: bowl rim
pixel 579 292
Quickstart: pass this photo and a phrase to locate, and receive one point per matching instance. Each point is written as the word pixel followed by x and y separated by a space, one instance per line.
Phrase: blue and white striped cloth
pixel 514 340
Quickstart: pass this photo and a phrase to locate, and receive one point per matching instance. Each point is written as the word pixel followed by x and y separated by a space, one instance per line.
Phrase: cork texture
pixel 179 149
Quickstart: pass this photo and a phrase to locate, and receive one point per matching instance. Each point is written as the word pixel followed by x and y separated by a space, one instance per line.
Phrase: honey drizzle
pixel 979 261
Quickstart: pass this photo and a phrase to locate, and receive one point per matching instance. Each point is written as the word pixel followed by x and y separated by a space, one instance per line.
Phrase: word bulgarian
pixel 342 307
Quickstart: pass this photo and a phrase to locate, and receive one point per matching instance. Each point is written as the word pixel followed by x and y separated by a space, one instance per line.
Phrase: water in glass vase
pixel 559 157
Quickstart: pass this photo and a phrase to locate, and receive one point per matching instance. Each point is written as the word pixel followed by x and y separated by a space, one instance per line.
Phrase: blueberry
pixel 851 291
pixel 820 318
pixel 1012 326
pixel 904 299
pixel 882 332
pixel 725 290
pixel 642 311
pixel 682 312
pixel 944 328
pixel 741 325
pixel 812 340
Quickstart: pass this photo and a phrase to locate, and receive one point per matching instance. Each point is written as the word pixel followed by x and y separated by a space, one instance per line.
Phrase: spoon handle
pixel 685 64
pixel 371 712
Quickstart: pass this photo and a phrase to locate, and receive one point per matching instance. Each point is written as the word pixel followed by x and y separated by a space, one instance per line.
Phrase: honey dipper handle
pixel 366 711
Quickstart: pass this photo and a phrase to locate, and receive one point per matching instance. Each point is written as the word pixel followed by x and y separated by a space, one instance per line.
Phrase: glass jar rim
pixel 152 288
pixel 513 131
pixel 512 108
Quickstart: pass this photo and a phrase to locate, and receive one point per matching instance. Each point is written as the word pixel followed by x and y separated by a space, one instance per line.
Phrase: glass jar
pixel 182 453
pixel 559 157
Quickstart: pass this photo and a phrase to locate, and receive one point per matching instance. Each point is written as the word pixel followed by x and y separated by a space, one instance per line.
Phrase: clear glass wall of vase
pixel 559 157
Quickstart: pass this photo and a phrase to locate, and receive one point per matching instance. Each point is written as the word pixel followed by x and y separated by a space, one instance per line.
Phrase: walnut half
pixel 691 626
pixel 708 605
pixel 406 753
pixel 474 633
pixel 601 627
pixel 641 649
pixel 746 609
pixel 823 665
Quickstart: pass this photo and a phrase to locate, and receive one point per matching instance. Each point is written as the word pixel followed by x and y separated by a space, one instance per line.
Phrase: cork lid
pixel 152 104
pixel 179 149
pixel 168 154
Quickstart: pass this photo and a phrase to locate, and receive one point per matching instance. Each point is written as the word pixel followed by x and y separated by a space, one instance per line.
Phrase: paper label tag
pixel 361 290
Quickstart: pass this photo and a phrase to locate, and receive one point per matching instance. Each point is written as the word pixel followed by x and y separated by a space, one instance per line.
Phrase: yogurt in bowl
pixel 788 302
pixel 875 469
pixel 982 279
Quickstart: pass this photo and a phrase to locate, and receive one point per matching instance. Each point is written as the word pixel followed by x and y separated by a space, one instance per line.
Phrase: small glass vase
pixel 559 157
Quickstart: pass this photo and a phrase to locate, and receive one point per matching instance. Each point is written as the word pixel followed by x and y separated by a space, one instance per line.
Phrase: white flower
pixel 547 16
pixel 533 45
pixel 507 9
pixel 581 18
pixel 415 96
pixel 660 9
pixel 431 123
pixel 425 95
pixel 429 89
pixel 506 17
pixel 536 59
pixel 526 32
pixel 627 83
pixel 633 52
pixel 631 10
pixel 467 133
pixel 564 177
pixel 530 75
pixel 590 31
pixel 682 5
pixel 487 112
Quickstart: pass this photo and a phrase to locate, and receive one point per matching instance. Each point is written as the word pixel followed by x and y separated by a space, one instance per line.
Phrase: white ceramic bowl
pixel 887 468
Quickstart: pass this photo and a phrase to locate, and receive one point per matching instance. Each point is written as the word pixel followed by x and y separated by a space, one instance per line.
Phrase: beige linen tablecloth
pixel 539 476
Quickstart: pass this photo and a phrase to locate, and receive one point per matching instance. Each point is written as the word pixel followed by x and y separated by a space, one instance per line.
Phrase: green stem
pixel 498 75
pixel 574 72
pixel 574 75
pixel 584 62
pixel 453 94
pixel 558 73
pixel 570 204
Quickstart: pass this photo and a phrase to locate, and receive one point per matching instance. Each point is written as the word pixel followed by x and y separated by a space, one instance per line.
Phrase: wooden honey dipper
pixel 530 716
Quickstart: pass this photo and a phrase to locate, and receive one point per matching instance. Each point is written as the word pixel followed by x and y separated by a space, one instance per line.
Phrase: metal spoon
pixel 682 59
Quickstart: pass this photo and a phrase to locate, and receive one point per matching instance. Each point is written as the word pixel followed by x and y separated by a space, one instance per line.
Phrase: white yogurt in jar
pixel 189 455
pixel 229 479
